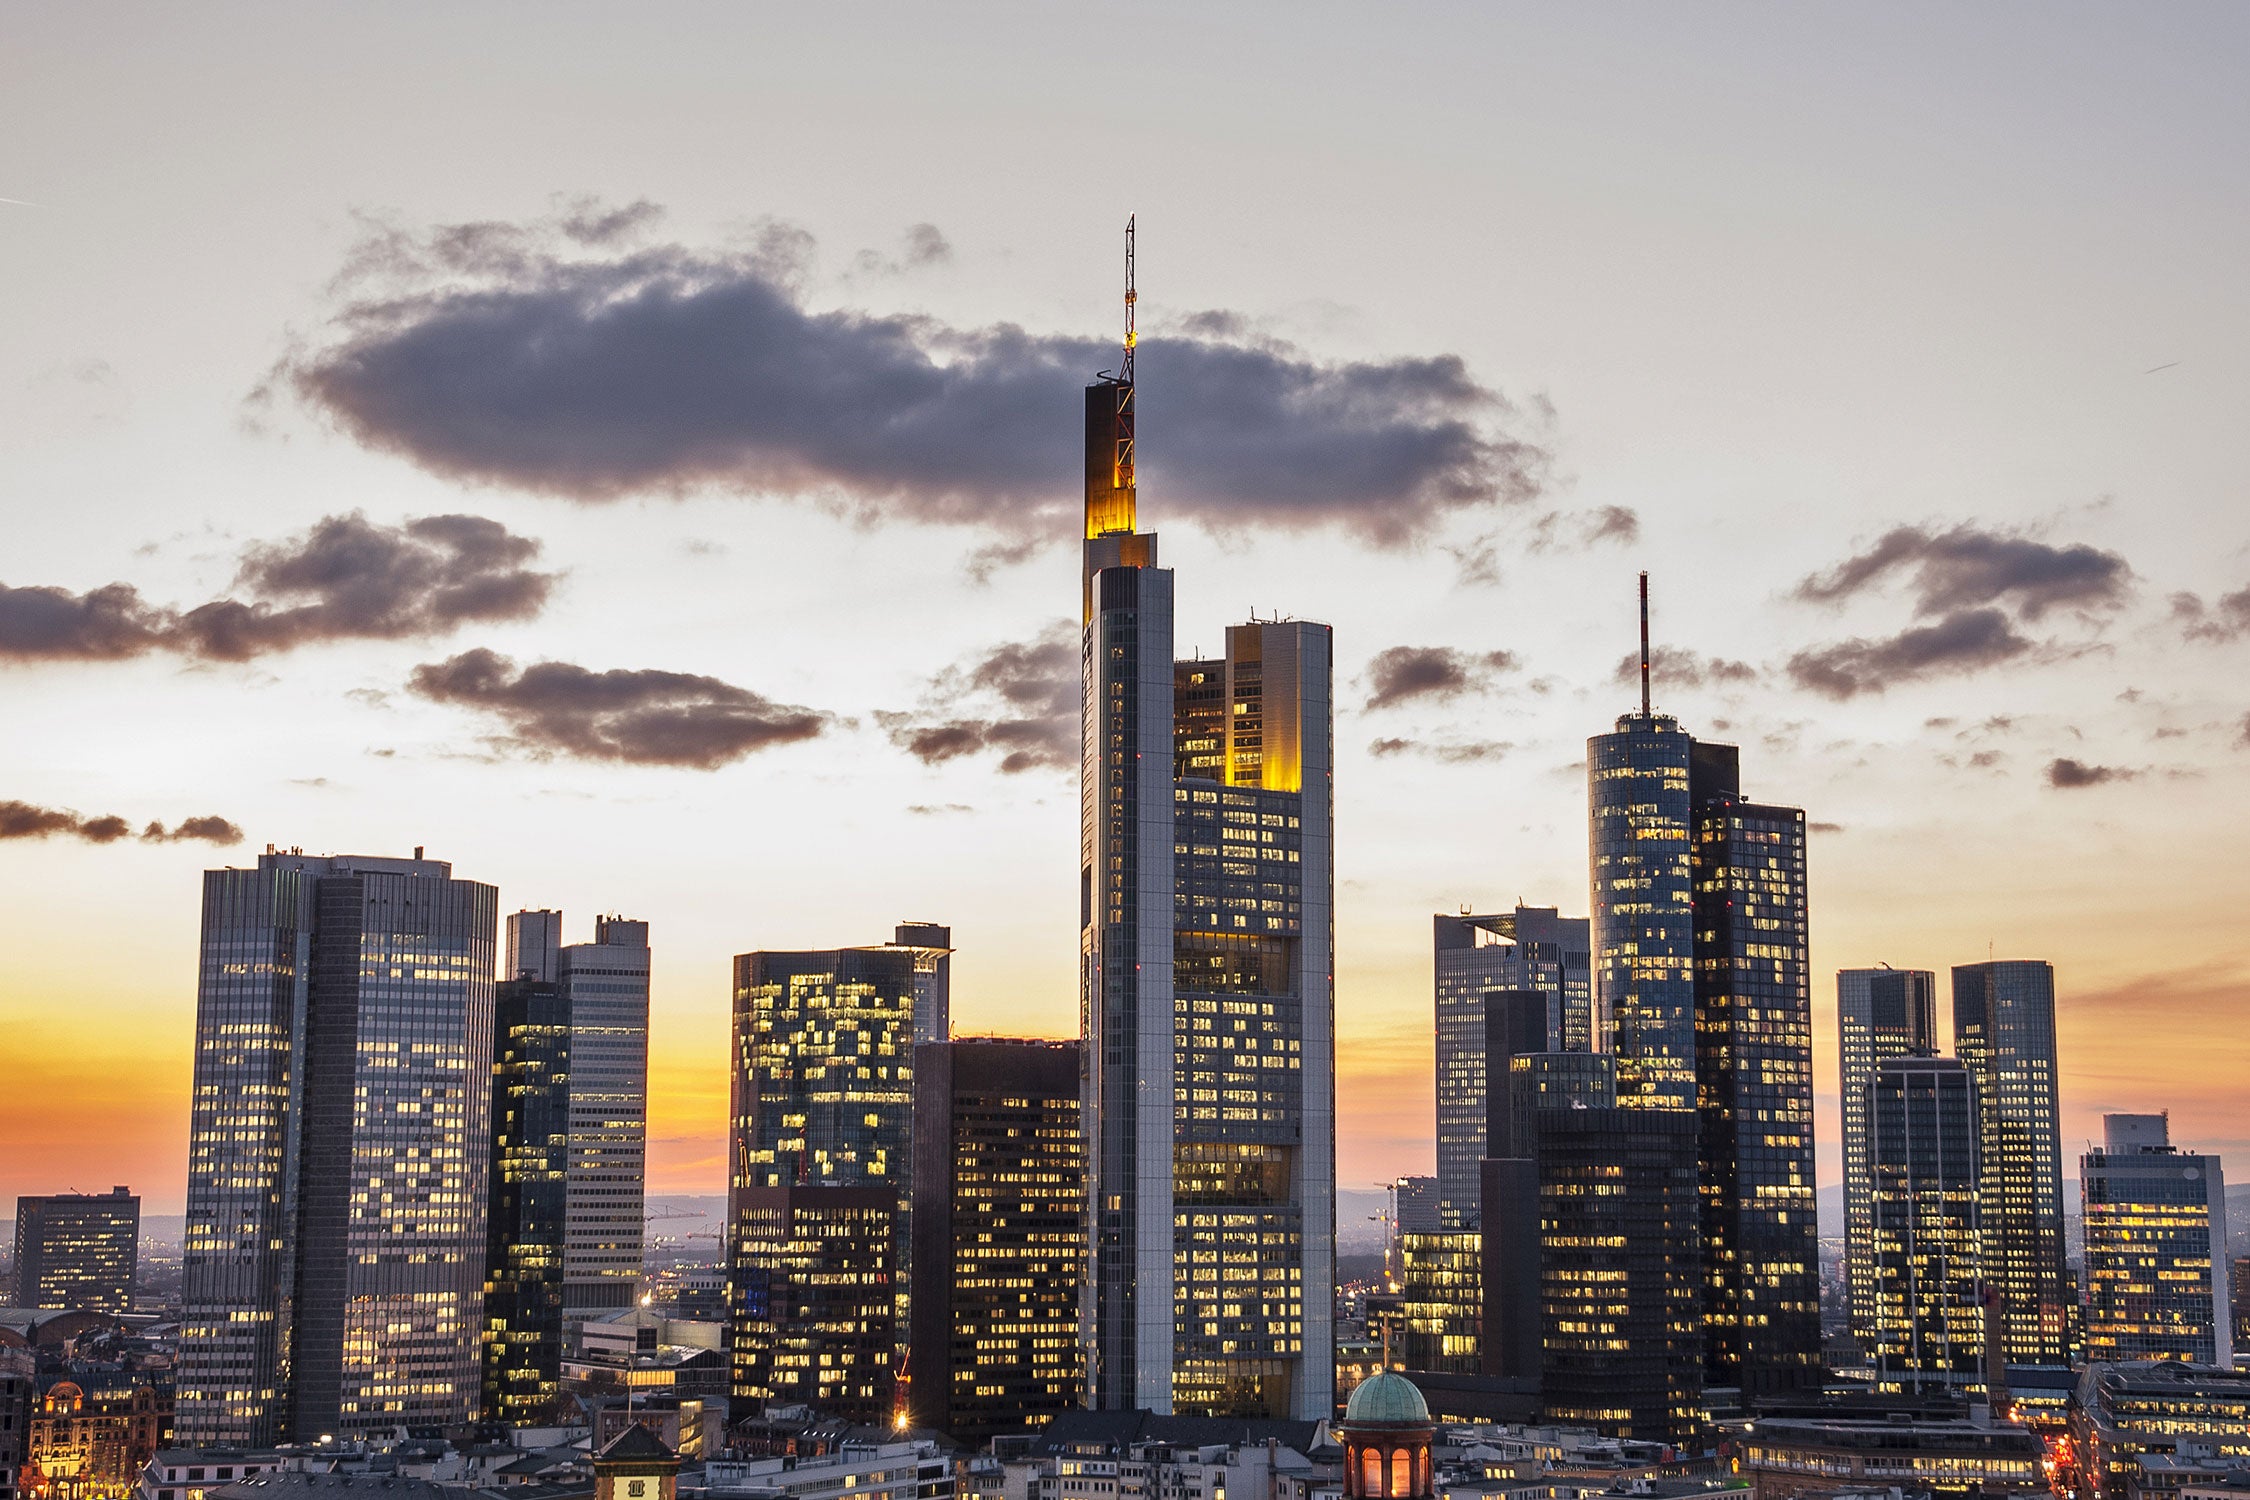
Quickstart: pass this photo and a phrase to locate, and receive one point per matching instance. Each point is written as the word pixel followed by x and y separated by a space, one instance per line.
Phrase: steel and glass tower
pixel 2004 1031
pixel 1529 949
pixel 1925 1244
pixel 1206 936
pixel 2156 1247
pixel 1881 1013
pixel 337 1150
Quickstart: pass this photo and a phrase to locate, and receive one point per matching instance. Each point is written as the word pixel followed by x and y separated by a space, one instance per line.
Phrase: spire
pixel 1644 644
pixel 1109 430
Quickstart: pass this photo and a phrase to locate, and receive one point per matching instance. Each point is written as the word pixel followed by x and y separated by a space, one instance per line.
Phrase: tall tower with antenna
pixel 1207 989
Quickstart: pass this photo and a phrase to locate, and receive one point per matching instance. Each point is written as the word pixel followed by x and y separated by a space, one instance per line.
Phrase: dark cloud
pixel 1018 701
pixel 500 355
pixel 647 717
pixel 1964 641
pixel 1676 666
pixel 1824 828
pixel 1970 568
pixel 22 820
pixel 345 579
pixel 1404 674
pixel 2066 775
pixel 2227 619
pixel 1452 754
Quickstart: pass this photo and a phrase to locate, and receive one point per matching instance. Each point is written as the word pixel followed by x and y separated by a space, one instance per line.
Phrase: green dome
pixel 1386 1396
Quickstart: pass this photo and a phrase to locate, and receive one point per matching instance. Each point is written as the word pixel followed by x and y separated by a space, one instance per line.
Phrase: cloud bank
pixel 344 579
pixel 526 357
pixel 1406 674
pixel 647 717
pixel 23 820
pixel 1018 700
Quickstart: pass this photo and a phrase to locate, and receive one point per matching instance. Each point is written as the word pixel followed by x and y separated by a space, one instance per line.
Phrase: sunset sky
pixel 736 352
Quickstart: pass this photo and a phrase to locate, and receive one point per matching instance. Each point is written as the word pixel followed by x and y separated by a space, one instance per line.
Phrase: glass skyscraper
pixel 530 1176
pixel 1925 1247
pixel 1530 948
pixel 1206 939
pixel 1643 908
pixel 338 1150
pixel 2156 1247
pixel 2004 1032
pixel 1881 1013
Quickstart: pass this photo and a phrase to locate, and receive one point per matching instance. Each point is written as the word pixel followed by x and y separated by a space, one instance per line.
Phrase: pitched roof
pixel 636 1445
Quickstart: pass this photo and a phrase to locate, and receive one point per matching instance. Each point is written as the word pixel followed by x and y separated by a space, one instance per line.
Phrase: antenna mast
pixel 1125 372
pixel 1644 644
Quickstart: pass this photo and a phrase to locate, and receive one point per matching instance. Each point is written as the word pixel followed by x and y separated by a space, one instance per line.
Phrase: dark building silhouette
pixel 530 1175
pixel 815 1298
pixel 1881 1013
pixel 78 1250
pixel 2004 1031
pixel 999 1224
pixel 1925 1239
pixel 338 1150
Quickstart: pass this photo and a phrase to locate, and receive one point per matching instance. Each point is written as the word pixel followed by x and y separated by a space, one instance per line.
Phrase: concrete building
pixel 1925 1243
pixel 1812 1458
pixel 1881 1013
pixel 913 1470
pixel 1206 941
pixel 2004 1032
pixel 999 1220
pixel 338 1149
pixel 2156 1238
pixel 1529 949
pixel 2121 1412
pixel 78 1250
pixel 18 1388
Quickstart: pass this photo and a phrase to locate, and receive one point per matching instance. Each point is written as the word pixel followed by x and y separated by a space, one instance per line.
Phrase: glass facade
pixel 78 1250
pixel 1881 1013
pixel 1925 1243
pixel 2004 1031
pixel 1643 908
pixel 999 1224
pixel 1441 1302
pixel 1206 898
pixel 1531 948
pixel 1753 1077
pixel 2156 1239
pixel 607 984
pixel 338 1150
pixel 523 1288
pixel 815 1304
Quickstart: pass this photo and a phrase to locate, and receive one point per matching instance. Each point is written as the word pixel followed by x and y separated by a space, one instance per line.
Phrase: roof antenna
pixel 1644 643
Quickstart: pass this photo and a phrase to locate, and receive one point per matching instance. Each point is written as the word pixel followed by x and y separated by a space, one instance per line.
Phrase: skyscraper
pixel 2156 1242
pixel 2004 1032
pixel 999 1223
pixel 530 1176
pixel 1924 1244
pixel 1530 948
pixel 1881 1013
pixel 78 1250
pixel 823 1092
pixel 1206 896
pixel 337 1149
pixel 1703 997
pixel 1753 1082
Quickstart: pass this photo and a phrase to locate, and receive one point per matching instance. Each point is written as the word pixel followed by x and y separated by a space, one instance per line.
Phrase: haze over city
pixel 635 457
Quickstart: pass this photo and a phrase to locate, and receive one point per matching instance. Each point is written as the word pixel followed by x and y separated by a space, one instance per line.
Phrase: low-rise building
pixel 2121 1412
pixel 192 1473
pixel 918 1470
pixel 1819 1458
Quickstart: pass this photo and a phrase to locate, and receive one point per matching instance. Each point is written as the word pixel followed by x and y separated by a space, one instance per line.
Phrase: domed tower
pixel 1387 1433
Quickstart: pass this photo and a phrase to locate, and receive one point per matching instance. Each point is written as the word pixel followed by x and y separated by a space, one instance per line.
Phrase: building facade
pixel 2004 1032
pixel 1881 1013
pixel 1753 1083
pixel 1206 945
pixel 824 1098
pixel 78 1250
pixel 2156 1239
pixel 2123 1412
pixel 1925 1244
pixel 999 1222
pixel 1529 949
pixel 338 1149
pixel 530 1176
pixel 1642 921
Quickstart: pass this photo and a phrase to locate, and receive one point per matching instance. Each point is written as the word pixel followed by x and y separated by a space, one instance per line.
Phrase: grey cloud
pixel 23 820
pixel 2226 619
pixel 1404 674
pixel 923 246
pixel 1671 666
pixel 2065 774
pixel 1458 753
pixel 345 579
pixel 1824 828
pixel 646 717
pixel 1559 530
pixel 1019 700
pixel 1964 641
pixel 667 370
pixel 1969 567
pixel 938 809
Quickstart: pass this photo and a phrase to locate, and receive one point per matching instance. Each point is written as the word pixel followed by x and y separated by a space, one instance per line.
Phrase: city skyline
pixel 1833 361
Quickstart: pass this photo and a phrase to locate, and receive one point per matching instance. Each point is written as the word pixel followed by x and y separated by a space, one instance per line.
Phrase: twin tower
pixel 1207 982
